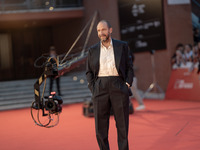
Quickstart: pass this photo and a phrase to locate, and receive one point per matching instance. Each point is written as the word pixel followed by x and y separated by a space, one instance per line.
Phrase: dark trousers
pixel 111 92
pixel 57 83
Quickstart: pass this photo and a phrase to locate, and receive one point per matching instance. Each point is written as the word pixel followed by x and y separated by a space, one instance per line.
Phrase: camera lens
pixel 50 105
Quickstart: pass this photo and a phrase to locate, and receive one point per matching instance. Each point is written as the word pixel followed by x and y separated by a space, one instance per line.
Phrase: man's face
pixel 104 33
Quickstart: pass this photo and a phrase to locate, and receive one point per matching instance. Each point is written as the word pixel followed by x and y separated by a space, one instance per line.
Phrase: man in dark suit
pixel 109 73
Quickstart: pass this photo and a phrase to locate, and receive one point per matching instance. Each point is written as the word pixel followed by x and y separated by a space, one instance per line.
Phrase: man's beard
pixel 105 40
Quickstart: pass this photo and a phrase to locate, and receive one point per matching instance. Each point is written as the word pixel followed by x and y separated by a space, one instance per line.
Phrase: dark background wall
pixel 108 10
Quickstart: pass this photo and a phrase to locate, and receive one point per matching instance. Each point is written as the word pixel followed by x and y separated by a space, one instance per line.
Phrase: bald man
pixel 109 73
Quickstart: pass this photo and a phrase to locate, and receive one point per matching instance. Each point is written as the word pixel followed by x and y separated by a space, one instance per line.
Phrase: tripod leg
pixel 159 88
pixel 148 90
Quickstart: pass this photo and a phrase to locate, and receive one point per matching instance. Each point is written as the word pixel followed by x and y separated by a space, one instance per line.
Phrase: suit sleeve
pixel 89 71
pixel 129 68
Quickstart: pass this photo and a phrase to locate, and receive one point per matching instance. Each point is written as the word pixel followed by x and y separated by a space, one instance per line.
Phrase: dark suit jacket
pixel 123 62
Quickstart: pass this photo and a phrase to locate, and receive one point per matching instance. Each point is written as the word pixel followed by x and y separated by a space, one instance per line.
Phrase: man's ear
pixel 110 30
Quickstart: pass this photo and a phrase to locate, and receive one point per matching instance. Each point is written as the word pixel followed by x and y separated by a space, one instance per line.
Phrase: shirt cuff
pixel 127 84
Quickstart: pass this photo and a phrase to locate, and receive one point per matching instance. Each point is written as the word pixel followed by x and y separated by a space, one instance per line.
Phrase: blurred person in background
pixel 188 53
pixel 135 92
pixel 178 58
pixel 195 53
pixel 52 53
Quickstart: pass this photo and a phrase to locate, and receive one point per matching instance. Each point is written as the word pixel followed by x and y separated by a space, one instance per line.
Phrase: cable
pixel 50 117
pixel 39 58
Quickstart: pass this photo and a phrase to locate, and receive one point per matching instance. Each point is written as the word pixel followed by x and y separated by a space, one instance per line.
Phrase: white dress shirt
pixel 107 61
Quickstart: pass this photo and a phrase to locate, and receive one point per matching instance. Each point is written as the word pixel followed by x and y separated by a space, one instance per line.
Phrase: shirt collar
pixel 111 44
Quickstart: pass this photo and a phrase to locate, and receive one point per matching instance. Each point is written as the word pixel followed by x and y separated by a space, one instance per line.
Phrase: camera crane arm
pixel 52 106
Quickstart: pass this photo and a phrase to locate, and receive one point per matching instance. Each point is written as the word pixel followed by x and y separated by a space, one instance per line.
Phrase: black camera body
pixel 53 103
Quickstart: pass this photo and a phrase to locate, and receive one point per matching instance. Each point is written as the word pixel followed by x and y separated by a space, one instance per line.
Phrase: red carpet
pixel 164 125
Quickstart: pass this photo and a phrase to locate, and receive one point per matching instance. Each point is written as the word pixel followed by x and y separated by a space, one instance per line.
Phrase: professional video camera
pixel 50 106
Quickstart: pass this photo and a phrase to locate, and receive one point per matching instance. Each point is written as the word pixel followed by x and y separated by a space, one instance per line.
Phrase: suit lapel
pixel 117 53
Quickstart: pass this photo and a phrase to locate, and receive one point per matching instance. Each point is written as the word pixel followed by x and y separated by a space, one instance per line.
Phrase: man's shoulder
pixel 95 46
pixel 119 42
pixel 93 50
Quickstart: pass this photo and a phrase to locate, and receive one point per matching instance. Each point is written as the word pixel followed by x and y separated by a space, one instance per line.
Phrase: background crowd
pixel 186 56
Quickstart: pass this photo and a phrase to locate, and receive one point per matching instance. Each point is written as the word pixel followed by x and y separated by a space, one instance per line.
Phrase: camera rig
pixel 49 106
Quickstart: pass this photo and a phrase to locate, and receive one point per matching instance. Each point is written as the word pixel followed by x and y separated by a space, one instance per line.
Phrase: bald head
pixel 107 22
pixel 104 31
